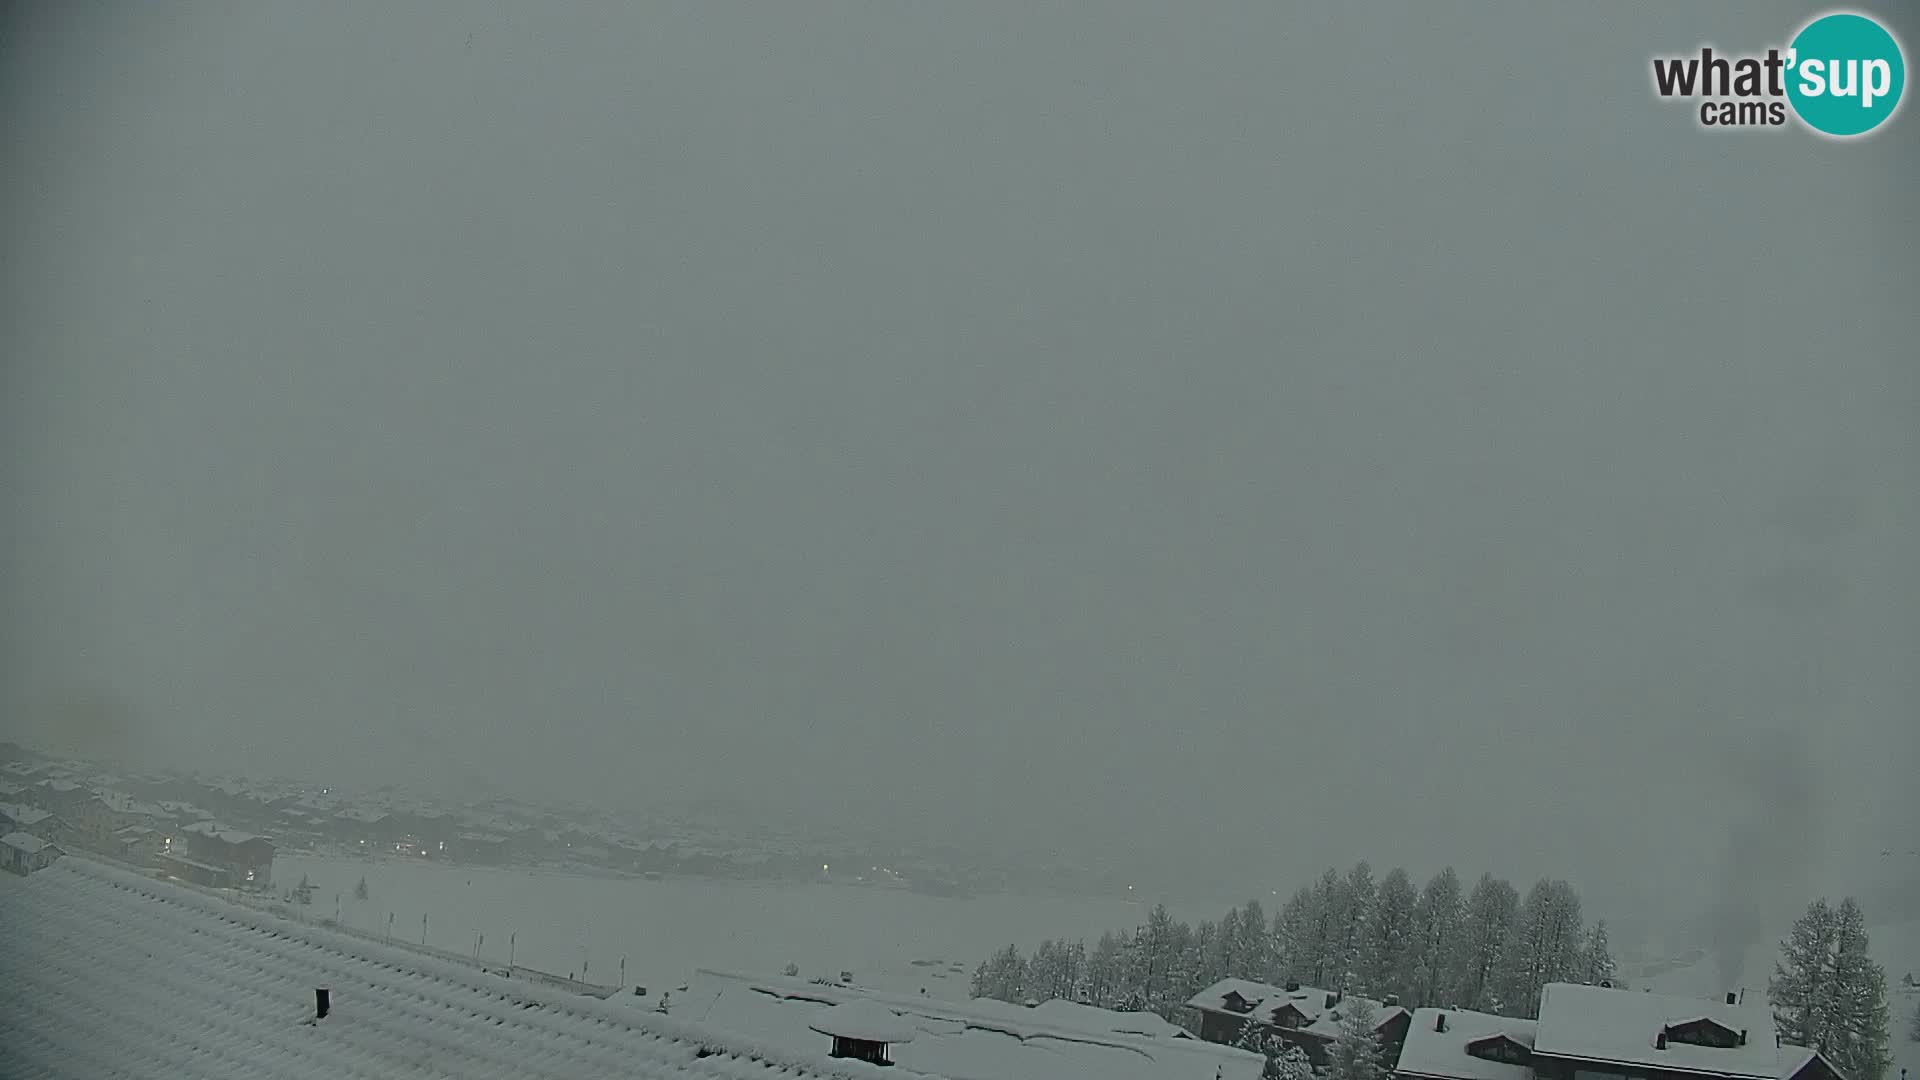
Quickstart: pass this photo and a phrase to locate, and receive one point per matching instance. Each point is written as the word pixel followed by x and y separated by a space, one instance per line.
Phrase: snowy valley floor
pixel 890 939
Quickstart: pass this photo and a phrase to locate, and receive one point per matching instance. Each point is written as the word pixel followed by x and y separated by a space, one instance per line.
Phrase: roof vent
pixel 1440 1022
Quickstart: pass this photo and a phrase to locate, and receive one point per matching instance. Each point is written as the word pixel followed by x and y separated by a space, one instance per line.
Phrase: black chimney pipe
pixel 322 1002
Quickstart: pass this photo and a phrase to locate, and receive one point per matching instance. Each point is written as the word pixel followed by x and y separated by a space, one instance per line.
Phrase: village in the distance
pixel 225 832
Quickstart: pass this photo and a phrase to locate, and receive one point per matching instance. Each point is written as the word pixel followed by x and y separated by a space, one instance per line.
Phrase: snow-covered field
pixel 666 929
pixel 1895 946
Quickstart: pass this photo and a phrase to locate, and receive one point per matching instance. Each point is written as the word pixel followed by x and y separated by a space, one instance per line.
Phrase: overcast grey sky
pixel 1218 436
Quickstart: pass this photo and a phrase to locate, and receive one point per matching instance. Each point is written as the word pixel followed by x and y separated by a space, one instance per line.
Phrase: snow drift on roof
pixel 1072 1014
pixel 868 1021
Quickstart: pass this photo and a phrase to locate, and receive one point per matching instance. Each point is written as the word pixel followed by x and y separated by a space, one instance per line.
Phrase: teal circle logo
pixel 1846 74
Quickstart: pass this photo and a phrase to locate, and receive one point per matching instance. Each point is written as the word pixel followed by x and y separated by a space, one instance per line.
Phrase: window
pixel 1703 1032
pixel 1500 1048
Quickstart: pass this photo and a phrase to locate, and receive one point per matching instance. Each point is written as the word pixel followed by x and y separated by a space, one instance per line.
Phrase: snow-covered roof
pixel 122 803
pixel 1443 1054
pixel 23 841
pixel 115 974
pixel 1072 1014
pixel 1794 1058
pixel 24 816
pixel 971 1040
pixel 231 836
pixel 1320 1010
pixel 1595 1023
pixel 863 1019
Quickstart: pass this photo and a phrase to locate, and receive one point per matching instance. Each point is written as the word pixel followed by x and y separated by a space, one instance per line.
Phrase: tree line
pixel 1487 948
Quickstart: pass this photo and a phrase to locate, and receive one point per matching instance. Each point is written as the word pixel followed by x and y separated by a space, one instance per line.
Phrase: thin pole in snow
pixel 511 938
pixel 389 927
pixel 423 928
pixel 623 972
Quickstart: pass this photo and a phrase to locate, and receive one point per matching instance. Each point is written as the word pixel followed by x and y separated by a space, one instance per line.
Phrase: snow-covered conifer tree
pixel 1207 943
pixel 1356 895
pixel 1103 971
pixel 1293 934
pixel 1596 958
pixel 1356 1053
pixel 1484 929
pixel 1436 940
pixel 1385 948
pixel 1802 1001
pixel 1291 1063
pixel 1827 992
pixel 1254 950
pixel 1229 944
pixel 1857 1042
pixel 1544 946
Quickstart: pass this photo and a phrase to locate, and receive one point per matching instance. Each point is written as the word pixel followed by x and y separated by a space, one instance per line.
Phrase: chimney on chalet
pixel 1391 1000
pixel 1332 1000
pixel 322 1002
pixel 1743 1036
pixel 1440 1022
pixel 1733 998
pixel 1293 986
pixel 1660 1040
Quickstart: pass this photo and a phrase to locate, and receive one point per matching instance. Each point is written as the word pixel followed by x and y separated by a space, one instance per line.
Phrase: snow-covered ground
pixel 1895 946
pixel 666 929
